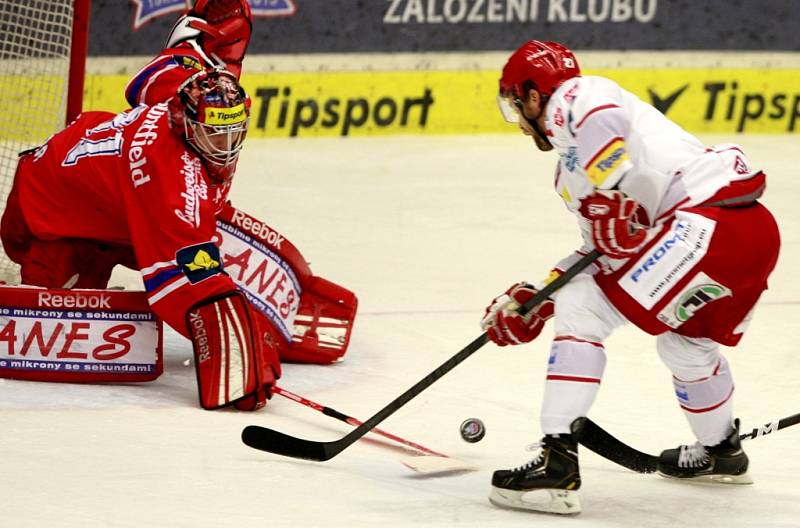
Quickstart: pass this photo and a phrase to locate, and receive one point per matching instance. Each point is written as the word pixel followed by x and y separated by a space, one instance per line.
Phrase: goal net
pixel 38 41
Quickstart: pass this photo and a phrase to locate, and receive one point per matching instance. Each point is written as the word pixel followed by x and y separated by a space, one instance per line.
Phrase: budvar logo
pixel 147 10
pixel 196 190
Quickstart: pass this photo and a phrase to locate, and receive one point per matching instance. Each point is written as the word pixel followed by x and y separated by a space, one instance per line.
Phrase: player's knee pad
pixel 574 372
pixel 235 365
pixel 688 358
pixel 705 394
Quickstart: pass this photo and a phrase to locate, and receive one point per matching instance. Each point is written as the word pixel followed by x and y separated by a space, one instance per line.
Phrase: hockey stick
pixel 428 462
pixel 278 443
pixel 353 421
pixel 771 427
pixel 597 439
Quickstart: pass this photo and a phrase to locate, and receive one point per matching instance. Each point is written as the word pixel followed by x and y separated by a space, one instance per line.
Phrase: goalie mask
pixel 212 111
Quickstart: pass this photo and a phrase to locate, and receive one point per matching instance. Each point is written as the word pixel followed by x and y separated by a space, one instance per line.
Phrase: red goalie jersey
pixel 106 181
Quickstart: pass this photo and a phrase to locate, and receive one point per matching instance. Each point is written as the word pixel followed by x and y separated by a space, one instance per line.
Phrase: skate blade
pixel 436 465
pixel 562 502
pixel 714 479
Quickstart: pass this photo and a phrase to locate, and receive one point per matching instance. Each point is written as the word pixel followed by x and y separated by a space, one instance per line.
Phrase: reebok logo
pixel 74 300
pixel 200 336
pixel 257 229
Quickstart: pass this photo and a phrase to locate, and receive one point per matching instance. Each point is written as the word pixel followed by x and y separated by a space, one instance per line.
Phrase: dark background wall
pixel 319 26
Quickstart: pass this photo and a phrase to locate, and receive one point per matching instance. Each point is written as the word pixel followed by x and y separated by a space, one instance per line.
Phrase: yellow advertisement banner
pixel 463 102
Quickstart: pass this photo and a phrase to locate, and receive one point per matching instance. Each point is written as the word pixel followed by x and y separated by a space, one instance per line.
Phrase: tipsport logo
pixel 148 10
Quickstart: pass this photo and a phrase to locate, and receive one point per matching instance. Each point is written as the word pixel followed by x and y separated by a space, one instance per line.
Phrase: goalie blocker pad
pixel 313 316
pixel 234 364
pixel 78 336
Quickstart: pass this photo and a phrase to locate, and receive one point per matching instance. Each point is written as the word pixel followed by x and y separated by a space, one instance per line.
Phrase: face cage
pixel 510 107
pixel 219 145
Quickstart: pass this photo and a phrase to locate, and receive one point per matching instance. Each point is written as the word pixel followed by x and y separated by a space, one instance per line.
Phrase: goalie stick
pixel 597 439
pixel 328 411
pixel 278 443
pixel 427 462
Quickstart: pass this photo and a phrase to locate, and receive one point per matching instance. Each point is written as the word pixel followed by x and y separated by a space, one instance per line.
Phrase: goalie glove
pixel 220 28
pixel 613 231
pixel 505 326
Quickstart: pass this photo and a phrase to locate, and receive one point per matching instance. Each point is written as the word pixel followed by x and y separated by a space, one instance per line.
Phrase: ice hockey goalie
pixel 147 189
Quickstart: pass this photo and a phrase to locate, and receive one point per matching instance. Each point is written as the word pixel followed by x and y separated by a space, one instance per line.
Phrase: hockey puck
pixel 472 430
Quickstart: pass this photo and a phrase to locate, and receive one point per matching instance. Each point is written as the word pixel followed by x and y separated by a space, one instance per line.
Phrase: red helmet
pixel 212 111
pixel 545 65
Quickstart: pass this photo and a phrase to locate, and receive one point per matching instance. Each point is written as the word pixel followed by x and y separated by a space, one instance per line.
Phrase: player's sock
pixel 548 483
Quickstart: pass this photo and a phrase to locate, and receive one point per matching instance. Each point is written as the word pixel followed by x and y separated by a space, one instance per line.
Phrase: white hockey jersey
pixel 608 138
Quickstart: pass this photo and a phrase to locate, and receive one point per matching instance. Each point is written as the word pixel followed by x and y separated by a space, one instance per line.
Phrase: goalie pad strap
pixel 225 350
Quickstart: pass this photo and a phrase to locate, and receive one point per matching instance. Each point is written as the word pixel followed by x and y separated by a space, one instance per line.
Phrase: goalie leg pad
pixel 323 325
pixel 78 336
pixel 232 367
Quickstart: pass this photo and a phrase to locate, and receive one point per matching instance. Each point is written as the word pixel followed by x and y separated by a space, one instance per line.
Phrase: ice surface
pixel 426 230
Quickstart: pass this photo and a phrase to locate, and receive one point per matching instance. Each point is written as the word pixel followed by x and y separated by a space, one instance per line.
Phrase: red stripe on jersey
pixel 593 111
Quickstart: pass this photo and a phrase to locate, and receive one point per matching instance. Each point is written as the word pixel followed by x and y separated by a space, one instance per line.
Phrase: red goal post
pixel 43 48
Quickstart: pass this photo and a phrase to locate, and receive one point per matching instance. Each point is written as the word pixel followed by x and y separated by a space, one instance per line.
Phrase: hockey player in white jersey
pixel 687 250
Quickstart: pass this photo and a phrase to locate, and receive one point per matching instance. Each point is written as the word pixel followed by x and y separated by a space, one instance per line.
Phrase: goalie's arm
pixel 213 34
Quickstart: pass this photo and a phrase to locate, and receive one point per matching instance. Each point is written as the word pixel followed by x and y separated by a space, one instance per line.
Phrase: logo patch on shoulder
pixel 199 262
pixel 607 161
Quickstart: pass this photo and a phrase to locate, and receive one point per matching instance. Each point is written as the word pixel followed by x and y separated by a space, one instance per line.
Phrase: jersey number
pixel 111 145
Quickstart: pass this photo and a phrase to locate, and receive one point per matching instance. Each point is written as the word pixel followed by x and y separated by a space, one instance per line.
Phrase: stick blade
pixel 436 465
pixel 275 442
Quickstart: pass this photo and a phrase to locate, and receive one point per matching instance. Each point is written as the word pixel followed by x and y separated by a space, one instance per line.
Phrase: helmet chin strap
pixel 542 135
pixel 544 142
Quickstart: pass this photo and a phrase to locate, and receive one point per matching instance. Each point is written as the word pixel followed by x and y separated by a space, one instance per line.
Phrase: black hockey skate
pixel 548 483
pixel 725 462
